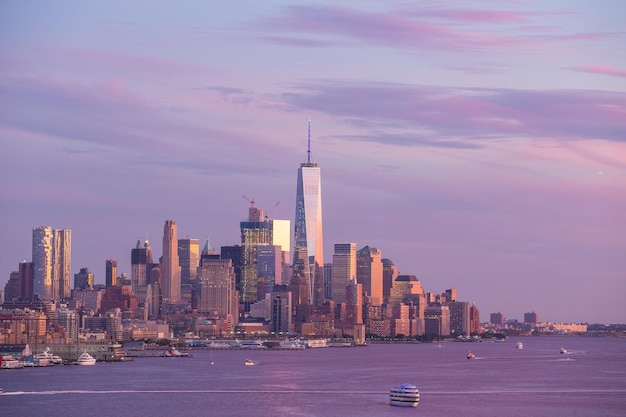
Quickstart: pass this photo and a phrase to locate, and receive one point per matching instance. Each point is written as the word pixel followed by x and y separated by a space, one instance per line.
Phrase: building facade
pixel 344 270
pixel 170 269
pixel 369 273
pixel 110 272
pixel 308 223
pixel 52 256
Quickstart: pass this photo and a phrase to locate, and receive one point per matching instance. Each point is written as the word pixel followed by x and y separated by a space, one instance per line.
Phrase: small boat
pixel 248 362
pixel 174 353
pixel 563 350
pixel 520 345
pixel 404 395
pixel 470 355
pixel 86 359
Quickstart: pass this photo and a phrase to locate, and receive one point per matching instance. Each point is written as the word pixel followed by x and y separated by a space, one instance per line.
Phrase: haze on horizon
pixel 479 145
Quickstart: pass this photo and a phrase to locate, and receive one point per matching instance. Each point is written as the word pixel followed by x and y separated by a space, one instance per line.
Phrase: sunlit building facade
pixel 170 277
pixel 308 223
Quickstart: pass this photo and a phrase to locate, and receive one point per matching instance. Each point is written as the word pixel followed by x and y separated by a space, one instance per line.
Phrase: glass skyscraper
pixel 308 225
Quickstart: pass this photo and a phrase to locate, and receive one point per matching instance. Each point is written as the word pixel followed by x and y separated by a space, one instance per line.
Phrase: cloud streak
pixel 469 113
pixel 601 69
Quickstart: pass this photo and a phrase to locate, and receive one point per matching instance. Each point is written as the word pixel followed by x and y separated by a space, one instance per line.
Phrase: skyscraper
pixel 170 277
pixel 189 256
pixel 255 233
pixel 61 263
pixel 111 272
pixel 52 255
pixel 42 262
pixel 344 270
pixel 308 222
pixel 369 272
pixel 138 265
pixel 216 289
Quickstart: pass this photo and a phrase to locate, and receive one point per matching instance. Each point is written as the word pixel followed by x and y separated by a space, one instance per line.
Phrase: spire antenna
pixel 308 152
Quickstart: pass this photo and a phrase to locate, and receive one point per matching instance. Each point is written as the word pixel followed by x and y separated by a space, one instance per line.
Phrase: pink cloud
pixel 601 69
pixel 477 16
pixel 439 114
pixel 399 29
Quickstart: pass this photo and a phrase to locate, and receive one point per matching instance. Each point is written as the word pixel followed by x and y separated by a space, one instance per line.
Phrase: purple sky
pixel 480 145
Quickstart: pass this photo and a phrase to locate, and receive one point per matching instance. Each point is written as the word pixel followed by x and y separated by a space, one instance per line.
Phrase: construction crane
pixel 268 212
pixel 251 201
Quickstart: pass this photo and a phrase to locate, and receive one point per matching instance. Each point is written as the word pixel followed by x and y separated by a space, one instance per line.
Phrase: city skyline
pixel 478 146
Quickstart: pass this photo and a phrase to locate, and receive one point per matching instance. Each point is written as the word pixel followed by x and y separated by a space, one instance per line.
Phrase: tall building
pixel 344 270
pixel 42 262
pixel 530 318
pixel 170 273
pixel 308 222
pixel 369 272
pixel 281 318
pixel 138 265
pixel 52 256
pixel 437 320
pixel 216 289
pixel 390 273
pixel 111 272
pixel 460 323
pixel 189 257
pixel 255 233
pixel 61 264
pixel 496 318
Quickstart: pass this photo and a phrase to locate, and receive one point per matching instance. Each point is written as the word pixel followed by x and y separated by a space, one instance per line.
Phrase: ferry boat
pixel 404 395
pixel 86 359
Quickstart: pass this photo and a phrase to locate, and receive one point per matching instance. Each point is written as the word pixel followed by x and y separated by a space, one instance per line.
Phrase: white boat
pixel 46 357
pixel 404 395
pixel 9 362
pixel 471 355
pixel 86 359
pixel 520 345
pixel 563 350
pixel 248 362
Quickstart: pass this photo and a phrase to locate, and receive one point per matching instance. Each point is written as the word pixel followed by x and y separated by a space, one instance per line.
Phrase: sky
pixel 480 145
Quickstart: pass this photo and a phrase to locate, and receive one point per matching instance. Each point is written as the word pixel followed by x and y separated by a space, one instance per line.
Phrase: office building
pixel 139 264
pixel 170 268
pixel 216 294
pixel 189 258
pixel 497 319
pixel 111 272
pixel 344 270
pixel 84 279
pixel 369 273
pixel 437 321
pixel 530 318
pixel 460 324
pixel 390 273
pixel 308 223
pixel 281 307
pixel 255 232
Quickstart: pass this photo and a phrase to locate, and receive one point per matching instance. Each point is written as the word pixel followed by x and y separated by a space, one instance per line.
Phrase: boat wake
pixel 328 392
